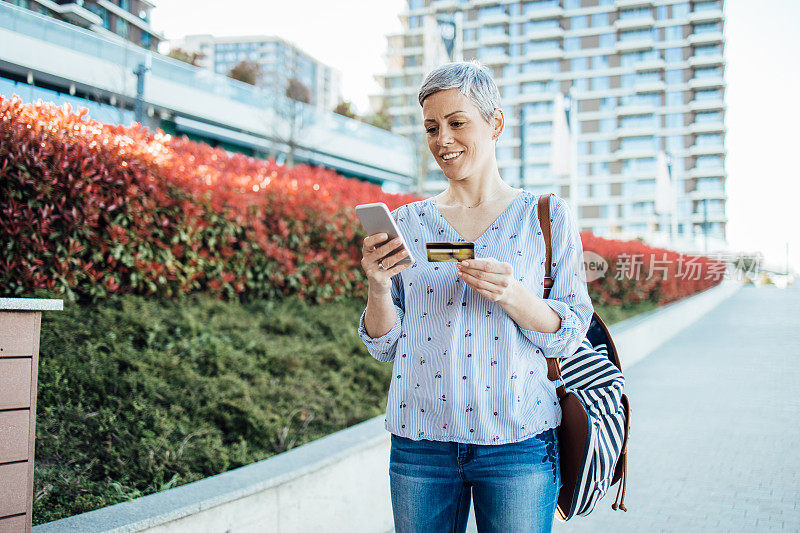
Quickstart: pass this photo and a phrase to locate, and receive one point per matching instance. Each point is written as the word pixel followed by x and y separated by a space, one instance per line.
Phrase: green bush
pixel 137 394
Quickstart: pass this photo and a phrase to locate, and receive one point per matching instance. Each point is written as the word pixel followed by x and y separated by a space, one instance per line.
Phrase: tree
pixel 193 58
pixel 246 71
pixel 379 119
pixel 344 108
pixel 291 110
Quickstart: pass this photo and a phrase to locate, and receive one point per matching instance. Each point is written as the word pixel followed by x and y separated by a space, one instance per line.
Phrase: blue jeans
pixel 514 487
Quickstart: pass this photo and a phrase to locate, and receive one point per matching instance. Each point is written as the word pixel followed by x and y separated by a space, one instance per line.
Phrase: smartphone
pixel 376 218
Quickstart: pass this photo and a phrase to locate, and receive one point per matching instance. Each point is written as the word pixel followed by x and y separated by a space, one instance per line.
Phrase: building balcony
pixel 632 23
pixel 717 193
pixel 541 35
pixel 708 172
pixel 706 61
pixel 494 18
pixel 449 5
pixel 651 64
pixel 708 149
pixel 633 153
pixel 632 45
pixel 636 131
pixel 634 109
pixel 631 3
pixel 706 105
pixel 713 216
pixel 708 15
pixel 650 86
pixel 544 13
pixel 552 53
pixel 539 136
pixel 706 83
pixel 706 38
pixel 490 40
pixel 707 127
pixel 78 15
pixel 496 59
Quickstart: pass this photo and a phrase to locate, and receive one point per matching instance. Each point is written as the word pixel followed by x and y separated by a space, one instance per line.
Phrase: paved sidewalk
pixel 715 436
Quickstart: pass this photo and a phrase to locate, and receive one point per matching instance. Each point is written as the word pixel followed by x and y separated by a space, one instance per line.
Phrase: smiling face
pixel 461 141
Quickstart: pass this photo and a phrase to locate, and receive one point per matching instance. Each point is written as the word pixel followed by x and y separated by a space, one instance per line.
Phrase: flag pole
pixel 573 151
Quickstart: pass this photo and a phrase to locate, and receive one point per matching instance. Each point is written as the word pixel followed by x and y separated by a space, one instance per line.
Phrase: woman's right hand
pixel 372 254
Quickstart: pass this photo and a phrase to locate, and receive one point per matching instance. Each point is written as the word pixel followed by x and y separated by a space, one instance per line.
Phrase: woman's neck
pixel 474 195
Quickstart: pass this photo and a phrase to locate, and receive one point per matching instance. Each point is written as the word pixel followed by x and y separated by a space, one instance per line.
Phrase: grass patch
pixel 137 395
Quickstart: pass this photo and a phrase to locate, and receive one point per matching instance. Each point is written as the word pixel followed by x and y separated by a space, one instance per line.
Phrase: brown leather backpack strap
pixel 544 223
pixel 553 368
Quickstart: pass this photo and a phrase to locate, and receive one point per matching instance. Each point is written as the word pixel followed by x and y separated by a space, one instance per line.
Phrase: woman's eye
pixel 430 130
pixel 456 124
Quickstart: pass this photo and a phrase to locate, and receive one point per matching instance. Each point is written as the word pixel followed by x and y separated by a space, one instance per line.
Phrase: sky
pixel 763 82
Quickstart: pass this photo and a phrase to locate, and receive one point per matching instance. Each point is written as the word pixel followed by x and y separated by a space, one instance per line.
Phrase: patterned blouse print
pixel 464 371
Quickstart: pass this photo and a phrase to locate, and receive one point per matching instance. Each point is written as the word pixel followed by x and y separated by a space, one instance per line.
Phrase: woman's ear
pixel 498 123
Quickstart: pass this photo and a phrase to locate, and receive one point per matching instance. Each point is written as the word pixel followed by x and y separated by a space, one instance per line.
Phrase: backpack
pixel 595 422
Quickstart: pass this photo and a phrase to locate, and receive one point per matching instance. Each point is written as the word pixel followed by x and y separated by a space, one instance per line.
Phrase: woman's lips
pixel 450 160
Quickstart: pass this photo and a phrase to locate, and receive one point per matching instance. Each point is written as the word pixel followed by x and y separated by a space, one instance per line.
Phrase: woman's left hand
pixel 488 276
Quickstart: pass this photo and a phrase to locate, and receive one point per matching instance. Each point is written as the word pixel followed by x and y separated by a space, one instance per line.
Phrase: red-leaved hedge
pixel 88 209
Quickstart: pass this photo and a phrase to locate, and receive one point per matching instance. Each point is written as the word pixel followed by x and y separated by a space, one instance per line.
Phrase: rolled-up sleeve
pixel 569 296
pixel 383 348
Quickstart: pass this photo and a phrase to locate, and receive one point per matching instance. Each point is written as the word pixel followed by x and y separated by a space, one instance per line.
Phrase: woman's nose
pixel 445 137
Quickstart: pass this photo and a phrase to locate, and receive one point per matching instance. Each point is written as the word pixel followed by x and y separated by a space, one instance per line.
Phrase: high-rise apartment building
pixel 125 19
pixel 647 77
pixel 278 59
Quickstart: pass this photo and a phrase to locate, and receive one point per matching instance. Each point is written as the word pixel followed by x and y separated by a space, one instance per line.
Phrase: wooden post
pixel 20 321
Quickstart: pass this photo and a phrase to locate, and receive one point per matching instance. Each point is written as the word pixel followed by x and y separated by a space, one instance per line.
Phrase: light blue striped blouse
pixel 464 371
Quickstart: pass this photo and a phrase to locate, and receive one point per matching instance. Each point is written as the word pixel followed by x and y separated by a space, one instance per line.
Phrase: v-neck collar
pixel 496 220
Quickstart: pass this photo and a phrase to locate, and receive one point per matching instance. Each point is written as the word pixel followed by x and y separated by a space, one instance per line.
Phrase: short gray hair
pixel 472 79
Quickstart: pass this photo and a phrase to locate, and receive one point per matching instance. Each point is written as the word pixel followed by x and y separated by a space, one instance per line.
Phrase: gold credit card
pixel 450 251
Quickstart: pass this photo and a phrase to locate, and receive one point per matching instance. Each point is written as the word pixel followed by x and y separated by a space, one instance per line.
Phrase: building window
pixel 541 25
pixel 680 10
pixel 673 33
pixel 492 11
pixel 600 83
pixel 706 6
pixel 579 64
pixel 147 39
pixel 674 77
pixel 630 14
pixel 708 50
pixel 674 120
pixel 122 27
pixel 710 72
pixel 599 20
pixel 710 27
pixel 607 40
pixel 708 139
pixel 674 98
pixel 125 4
pixel 600 62
pixel 708 94
pixel 538 5
pixel 102 13
pixel 538 46
pixel 579 23
pixel 572 43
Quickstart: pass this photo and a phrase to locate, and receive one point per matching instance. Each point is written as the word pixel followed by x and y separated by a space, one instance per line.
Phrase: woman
pixel 471 411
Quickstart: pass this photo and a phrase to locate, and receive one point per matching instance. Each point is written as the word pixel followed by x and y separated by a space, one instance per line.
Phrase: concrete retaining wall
pixel 339 482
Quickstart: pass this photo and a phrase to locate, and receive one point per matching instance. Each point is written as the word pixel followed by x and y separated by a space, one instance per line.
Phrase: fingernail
pixel 465 263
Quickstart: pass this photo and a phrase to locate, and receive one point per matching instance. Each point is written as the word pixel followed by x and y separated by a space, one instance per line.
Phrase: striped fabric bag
pixel 593 378
pixel 595 413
